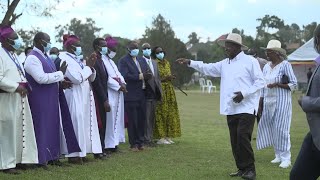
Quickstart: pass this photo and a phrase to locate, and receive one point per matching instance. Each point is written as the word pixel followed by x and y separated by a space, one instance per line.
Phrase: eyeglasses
pixel 145 48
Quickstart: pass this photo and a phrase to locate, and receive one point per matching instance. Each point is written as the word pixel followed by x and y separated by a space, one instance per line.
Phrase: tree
pixel 84 30
pixel 193 38
pixel 268 22
pixel 308 31
pixel 161 34
pixel 27 36
pixel 39 8
pixel 236 30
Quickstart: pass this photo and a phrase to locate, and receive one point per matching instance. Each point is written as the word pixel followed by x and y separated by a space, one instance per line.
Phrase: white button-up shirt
pixel 149 62
pixel 33 66
pixel 239 74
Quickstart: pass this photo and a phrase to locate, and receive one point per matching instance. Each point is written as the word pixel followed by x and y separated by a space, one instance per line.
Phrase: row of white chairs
pixel 207 84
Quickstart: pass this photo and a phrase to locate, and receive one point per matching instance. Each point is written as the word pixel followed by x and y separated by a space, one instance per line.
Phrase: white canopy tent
pixel 305 53
pixel 302 59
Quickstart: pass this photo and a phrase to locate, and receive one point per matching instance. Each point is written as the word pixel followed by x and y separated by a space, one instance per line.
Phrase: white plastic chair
pixel 203 84
pixel 210 86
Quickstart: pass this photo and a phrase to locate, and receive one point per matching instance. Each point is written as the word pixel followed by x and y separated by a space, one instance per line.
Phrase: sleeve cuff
pixel 13 89
pixel 191 63
pixel 244 94
pixel 292 86
pixel 61 76
pixel 141 76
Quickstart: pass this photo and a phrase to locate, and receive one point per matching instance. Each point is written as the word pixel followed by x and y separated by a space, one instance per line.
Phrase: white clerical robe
pixel 82 106
pixel 17 138
pixel 115 130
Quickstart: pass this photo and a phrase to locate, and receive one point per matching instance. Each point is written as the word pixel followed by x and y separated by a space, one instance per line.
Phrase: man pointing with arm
pixel 241 80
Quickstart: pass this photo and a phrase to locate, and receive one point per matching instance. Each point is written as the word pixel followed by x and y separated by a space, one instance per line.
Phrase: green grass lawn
pixel 203 151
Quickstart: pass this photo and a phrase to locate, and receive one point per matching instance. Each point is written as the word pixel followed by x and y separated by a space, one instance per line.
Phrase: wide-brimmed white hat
pixel 275 45
pixel 234 38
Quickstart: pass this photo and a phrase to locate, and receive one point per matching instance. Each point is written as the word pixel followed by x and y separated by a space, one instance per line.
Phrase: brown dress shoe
pixel 11 171
pixel 75 160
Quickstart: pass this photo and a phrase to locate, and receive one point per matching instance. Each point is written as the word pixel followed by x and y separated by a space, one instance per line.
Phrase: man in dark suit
pixel 135 72
pixel 153 94
pixel 100 89
pixel 307 165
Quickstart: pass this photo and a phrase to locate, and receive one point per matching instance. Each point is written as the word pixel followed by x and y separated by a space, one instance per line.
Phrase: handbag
pixel 284 79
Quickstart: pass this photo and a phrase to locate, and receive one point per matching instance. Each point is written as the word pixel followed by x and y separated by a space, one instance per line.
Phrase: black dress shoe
pixel 250 175
pixel 106 155
pixel 21 166
pixel 108 151
pixel 11 171
pixel 85 160
pixel 101 156
pixel 55 163
pixel 238 173
pixel 117 150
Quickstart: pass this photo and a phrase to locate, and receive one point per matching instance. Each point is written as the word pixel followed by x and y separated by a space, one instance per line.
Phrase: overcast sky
pixel 208 18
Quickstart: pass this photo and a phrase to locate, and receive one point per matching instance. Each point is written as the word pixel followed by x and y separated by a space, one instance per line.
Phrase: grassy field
pixel 203 151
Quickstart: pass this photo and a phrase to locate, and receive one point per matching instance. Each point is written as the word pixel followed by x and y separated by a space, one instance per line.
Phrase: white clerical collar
pixel 39 51
pixel 73 55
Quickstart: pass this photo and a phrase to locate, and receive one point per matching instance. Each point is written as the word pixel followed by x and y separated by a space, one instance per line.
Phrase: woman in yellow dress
pixel 167 123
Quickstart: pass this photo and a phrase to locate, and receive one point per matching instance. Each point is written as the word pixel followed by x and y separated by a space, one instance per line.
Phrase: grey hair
pixel 145 44
pixel 281 55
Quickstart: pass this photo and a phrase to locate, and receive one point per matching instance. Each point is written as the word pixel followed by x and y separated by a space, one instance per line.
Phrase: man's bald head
pixel 40 40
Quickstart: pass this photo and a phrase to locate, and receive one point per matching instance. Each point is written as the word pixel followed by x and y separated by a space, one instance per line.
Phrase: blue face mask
pixel 78 50
pixel 160 55
pixel 53 57
pixel 146 52
pixel 134 52
pixel 104 50
pixel 16 43
pixel 46 48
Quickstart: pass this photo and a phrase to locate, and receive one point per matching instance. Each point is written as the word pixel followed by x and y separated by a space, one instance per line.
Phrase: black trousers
pixel 102 130
pixel 307 165
pixel 240 129
pixel 136 119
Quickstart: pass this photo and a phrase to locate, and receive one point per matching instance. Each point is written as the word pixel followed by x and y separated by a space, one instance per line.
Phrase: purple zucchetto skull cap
pixel 5 32
pixel 69 40
pixel 111 42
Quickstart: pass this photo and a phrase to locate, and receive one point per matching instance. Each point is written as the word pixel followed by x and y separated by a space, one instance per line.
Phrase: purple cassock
pixel 44 102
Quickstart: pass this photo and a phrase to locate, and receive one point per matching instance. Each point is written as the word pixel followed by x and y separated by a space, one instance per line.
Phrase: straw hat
pixel 234 38
pixel 275 45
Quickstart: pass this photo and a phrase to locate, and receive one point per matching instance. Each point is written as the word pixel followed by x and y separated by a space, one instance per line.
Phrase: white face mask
pixel 112 54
